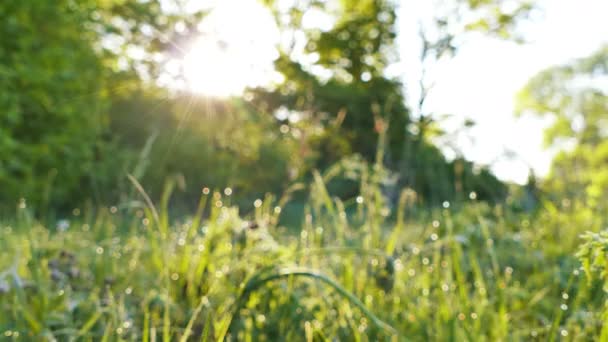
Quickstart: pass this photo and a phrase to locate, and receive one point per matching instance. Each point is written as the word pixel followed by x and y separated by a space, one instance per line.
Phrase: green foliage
pixel 335 82
pixel 56 61
pixel 498 18
pixel 82 109
pixel 51 111
pixel 204 143
pixel 351 273
pixel 357 97
pixel 573 97
pixel 592 255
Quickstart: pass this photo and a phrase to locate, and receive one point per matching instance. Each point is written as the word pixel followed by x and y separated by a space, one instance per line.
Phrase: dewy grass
pixel 255 283
pixel 355 271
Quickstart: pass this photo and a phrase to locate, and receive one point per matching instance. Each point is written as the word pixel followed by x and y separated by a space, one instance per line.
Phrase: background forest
pixel 319 205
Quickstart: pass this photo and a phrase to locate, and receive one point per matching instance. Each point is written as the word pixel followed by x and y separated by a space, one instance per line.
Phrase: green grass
pixel 354 272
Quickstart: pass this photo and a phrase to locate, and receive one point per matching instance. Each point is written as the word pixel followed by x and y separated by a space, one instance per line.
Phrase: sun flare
pixel 234 51
pixel 212 69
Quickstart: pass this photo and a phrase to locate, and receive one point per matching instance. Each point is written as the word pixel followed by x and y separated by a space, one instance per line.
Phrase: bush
pixel 52 111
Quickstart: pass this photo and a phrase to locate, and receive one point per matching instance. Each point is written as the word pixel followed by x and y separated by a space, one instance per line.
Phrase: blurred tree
pixel 575 97
pixel 334 56
pixel 203 142
pixel 441 35
pixel 51 79
pixel 58 66
pixel 335 75
pixel 76 81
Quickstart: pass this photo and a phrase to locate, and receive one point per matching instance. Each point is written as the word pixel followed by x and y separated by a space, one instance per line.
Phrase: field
pixel 355 270
pixel 310 170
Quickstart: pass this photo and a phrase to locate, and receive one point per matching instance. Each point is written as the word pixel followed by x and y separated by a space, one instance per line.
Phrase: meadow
pixel 244 170
pixel 355 270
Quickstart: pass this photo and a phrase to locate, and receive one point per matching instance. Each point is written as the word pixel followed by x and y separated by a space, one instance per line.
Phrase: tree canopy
pixel 575 98
pixel 84 107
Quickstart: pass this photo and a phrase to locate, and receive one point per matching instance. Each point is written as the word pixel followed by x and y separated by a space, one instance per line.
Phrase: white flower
pixel 63 225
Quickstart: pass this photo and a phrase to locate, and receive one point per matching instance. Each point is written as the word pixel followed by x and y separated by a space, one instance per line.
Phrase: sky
pixel 479 83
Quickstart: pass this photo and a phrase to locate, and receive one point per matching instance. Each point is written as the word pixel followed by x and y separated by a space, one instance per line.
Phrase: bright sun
pixel 212 69
pixel 235 51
